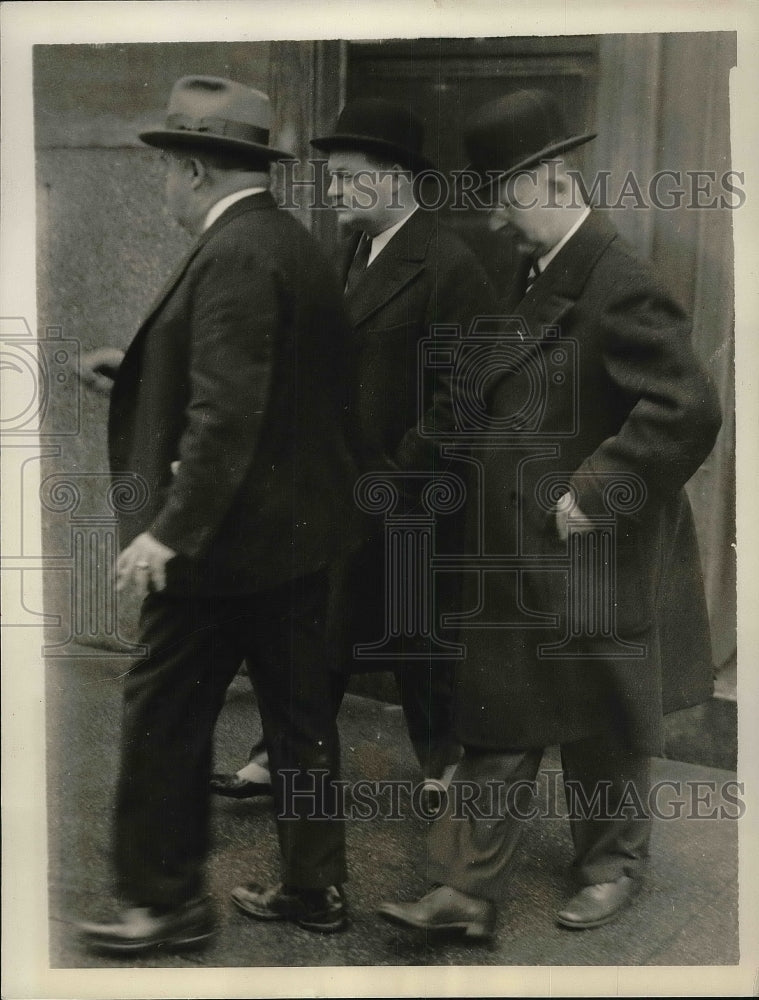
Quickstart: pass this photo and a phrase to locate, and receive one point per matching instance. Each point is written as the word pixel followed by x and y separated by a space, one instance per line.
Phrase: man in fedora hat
pixel 229 405
pixel 628 422
pixel 402 272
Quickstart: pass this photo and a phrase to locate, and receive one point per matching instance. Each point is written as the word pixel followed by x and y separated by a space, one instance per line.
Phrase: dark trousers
pixel 425 686
pixel 172 699
pixel 472 849
pixel 425 694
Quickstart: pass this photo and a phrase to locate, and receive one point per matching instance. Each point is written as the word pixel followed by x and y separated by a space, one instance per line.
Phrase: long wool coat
pixel 622 398
pixel 239 374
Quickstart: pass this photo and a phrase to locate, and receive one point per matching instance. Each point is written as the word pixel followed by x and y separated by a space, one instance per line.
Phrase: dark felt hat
pixel 516 132
pixel 209 112
pixel 376 126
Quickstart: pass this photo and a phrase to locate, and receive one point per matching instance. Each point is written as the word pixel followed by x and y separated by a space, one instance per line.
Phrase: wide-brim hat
pixel 379 127
pixel 516 132
pixel 210 112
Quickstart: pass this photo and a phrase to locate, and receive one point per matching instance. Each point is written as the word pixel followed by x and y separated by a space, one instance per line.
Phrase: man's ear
pixel 399 173
pixel 199 172
pixel 558 178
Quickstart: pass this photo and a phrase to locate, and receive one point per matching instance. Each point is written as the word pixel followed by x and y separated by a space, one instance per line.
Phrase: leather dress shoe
pixel 321 910
pixel 238 788
pixel 142 928
pixel 444 909
pixel 595 905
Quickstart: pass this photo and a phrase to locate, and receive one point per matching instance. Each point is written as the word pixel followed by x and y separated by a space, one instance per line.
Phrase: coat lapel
pixel 555 291
pixel 348 253
pixel 395 267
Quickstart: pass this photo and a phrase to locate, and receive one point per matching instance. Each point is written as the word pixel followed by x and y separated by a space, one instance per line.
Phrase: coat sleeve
pixel 674 414
pixel 235 320
pixel 460 291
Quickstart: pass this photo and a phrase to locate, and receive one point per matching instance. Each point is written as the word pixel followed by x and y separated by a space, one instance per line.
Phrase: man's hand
pixel 98 368
pixel 567 509
pixel 143 565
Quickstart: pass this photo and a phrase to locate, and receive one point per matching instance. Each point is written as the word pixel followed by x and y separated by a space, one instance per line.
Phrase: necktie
pixel 359 262
pixel 533 274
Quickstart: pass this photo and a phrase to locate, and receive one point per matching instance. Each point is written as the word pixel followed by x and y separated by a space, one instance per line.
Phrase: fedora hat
pixel 518 131
pixel 209 112
pixel 376 126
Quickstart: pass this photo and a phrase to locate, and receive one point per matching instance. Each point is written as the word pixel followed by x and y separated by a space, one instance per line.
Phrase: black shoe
pixel 447 910
pixel 238 788
pixel 596 905
pixel 139 929
pixel 322 910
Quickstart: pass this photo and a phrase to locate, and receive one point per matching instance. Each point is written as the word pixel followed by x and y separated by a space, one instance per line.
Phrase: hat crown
pixel 383 128
pixel 378 119
pixel 213 113
pixel 518 130
pixel 203 97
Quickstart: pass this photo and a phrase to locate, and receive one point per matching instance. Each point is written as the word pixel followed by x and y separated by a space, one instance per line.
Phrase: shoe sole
pixel 574 925
pixel 475 932
pixel 331 928
pixel 263 794
pixel 133 947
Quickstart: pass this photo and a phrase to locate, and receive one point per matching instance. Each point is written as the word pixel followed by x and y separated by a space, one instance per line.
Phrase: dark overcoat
pixel 424 276
pixel 238 373
pixel 624 414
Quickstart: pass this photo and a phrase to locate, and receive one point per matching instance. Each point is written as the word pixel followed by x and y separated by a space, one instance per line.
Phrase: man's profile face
pixel 523 199
pixel 362 191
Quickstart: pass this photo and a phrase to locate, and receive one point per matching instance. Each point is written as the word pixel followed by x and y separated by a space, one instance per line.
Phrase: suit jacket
pixel 424 276
pixel 621 398
pixel 238 373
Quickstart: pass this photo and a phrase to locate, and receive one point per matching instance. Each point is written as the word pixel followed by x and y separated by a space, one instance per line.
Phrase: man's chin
pixel 348 222
pixel 528 247
pixel 523 244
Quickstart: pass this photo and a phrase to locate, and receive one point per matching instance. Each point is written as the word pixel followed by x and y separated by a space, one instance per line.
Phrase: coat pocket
pixel 603 580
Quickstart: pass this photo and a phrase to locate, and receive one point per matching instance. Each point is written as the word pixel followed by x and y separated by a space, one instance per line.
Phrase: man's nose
pixel 335 189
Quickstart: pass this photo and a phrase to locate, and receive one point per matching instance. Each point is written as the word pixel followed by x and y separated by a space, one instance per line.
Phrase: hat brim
pixel 185 139
pixel 368 144
pixel 547 153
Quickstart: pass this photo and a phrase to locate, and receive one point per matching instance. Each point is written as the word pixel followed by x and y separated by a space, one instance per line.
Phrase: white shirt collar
pixel 221 206
pixel 381 241
pixel 546 259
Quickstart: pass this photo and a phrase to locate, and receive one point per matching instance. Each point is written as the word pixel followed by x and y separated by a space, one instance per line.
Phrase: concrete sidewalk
pixel 687 913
